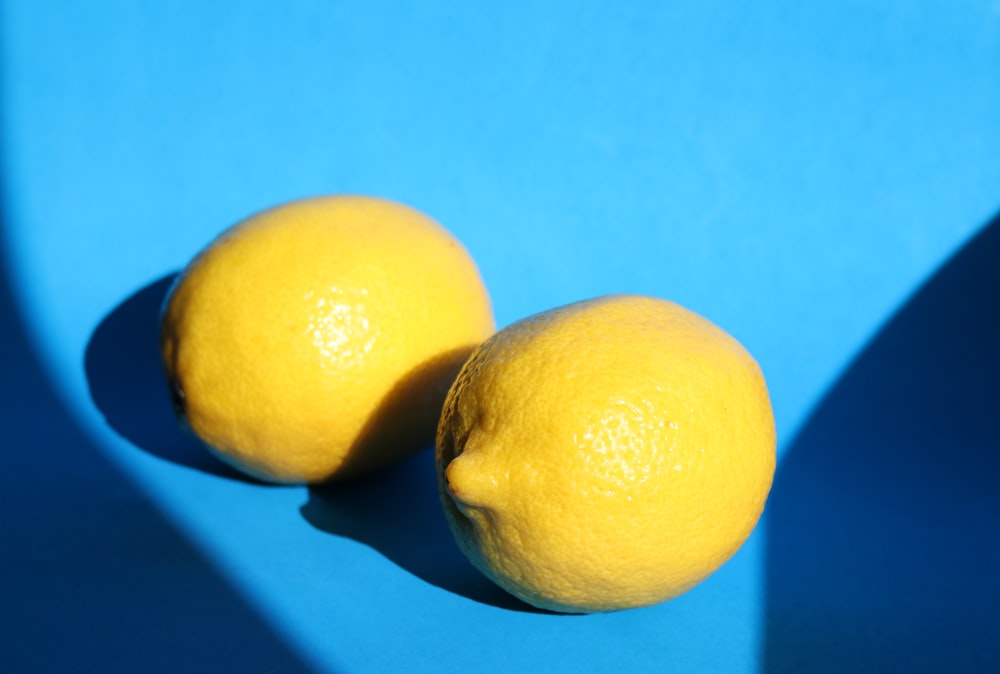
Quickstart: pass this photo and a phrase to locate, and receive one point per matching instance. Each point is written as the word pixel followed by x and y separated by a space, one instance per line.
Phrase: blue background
pixel 820 179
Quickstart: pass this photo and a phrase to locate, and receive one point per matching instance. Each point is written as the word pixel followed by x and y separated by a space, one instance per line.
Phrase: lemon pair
pixel 603 455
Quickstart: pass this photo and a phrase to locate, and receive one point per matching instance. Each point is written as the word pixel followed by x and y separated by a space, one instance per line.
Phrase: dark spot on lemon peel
pixel 452 492
pixel 177 398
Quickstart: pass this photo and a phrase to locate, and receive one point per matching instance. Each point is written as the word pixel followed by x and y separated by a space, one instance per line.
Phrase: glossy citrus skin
pixel 605 455
pixel 318 339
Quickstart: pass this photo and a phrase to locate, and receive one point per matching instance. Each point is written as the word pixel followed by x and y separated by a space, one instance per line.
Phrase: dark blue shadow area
pixel 92 577
pixel 415 538
pixel 128 385
pixel 883 548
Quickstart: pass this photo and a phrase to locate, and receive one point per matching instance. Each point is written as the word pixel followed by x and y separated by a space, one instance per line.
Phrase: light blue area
pixel 791 170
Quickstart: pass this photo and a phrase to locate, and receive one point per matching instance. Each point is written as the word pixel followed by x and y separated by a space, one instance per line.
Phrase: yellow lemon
pixel 318 339
pixel 605 455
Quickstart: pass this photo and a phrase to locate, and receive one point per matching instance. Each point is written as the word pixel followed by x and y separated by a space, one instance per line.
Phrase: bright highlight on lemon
pixel 318 339
pixel 605 455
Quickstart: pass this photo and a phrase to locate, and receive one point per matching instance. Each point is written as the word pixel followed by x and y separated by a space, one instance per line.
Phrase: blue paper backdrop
pixel 821 179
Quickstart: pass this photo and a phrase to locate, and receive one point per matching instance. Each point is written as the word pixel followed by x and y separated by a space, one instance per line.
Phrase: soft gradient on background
pixel 820 179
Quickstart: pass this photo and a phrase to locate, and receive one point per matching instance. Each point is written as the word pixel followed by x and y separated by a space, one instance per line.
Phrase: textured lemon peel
pixel 619 485
pixel 293 330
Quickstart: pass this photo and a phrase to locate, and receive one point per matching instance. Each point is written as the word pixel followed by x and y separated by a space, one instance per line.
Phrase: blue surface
pixel 820 179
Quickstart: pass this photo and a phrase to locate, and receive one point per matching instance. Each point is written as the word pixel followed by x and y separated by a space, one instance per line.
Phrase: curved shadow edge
pixel 93 576
pixel 883 546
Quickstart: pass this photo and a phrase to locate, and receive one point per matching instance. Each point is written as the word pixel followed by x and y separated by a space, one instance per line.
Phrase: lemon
pixel 605 455
pixel 318 339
